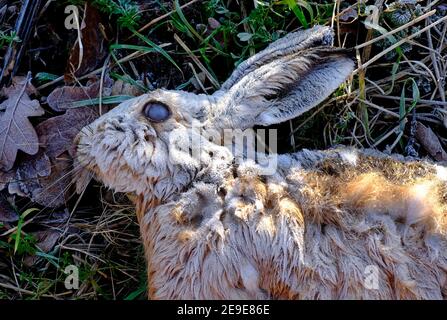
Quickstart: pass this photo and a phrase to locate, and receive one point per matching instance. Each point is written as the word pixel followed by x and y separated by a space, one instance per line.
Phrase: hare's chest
pixel 221 211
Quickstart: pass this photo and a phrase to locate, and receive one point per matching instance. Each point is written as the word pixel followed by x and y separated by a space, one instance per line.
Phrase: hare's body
pixel 329 225
pixel 324 225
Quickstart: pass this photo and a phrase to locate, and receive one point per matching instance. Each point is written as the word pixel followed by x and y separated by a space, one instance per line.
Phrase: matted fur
pixel 309 232
pixel 217 228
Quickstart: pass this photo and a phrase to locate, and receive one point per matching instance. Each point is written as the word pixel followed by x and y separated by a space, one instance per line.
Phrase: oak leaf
pixel 430 142
pixel 16 131
pixel 62 98
pixel 57 133
pixel 7 213
pixel 45 181
pixel 46 240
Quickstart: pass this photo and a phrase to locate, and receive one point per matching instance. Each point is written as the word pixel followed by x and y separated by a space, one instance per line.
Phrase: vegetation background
pixel 395 102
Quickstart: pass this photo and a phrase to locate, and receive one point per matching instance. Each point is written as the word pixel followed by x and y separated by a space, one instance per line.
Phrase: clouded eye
pixel 157 112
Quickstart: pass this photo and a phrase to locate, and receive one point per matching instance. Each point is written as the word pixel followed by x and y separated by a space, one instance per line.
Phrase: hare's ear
pixel 317 36
pixel 285 80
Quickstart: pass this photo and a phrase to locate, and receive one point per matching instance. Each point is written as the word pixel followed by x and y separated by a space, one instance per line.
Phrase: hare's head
pixel 135 147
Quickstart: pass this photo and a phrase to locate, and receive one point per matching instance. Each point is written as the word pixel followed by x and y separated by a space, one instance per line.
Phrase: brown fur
pixel 214 226
pixel 307 240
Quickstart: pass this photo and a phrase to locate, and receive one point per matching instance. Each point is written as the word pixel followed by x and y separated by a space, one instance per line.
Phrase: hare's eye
pixel 157 112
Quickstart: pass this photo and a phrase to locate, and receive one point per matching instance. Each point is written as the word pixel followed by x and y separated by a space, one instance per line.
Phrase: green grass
pixel 25 243
pixel 7 38
pixel 126 11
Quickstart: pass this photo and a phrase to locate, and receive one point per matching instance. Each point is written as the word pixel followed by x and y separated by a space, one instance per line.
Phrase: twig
pixel 373 105
pixel 367 51
pixel 429 102
pixel 23 27
pixel 101 83
pixel 197 78
pixel 79 32
pixel 405 26
pixel 20 290
pixel 397 44
pixel 435 67
pixel 387 135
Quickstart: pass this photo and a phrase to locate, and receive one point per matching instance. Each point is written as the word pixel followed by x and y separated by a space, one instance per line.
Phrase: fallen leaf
pixel 7 213
pixel 29 171
pixel 47 176
pixel 46 190
pixel 18 81
pixel 5 178
pixel 46 240
pixel 16 131
pixel 56 134
pixel 213 23
pixel 56 218
pixel 126 89
pixel 430 142
pixel 2 11
pixel 14 188
pixel 93 49
pixel 61 99
pixel 348 13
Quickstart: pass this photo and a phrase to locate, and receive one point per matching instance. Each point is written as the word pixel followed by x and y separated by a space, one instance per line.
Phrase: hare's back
pixel 369 182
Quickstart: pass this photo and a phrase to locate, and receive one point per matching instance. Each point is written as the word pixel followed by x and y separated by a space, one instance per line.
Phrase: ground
pixel 394 102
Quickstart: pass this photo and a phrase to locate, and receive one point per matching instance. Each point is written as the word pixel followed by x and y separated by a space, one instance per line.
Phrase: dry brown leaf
pixel 44 180
pixel 16 131
pixel 55 218
pixel 430 142
pixel 123 88
pixel 18 81
pixel 93 49
pixel 56 134
pixel 46 241
pixel 62 98
pixel 14 188
pixel 3 8
pixel 5 178
pixel 213 23
pixel 7 213
pixel 348 14
pixel 46 176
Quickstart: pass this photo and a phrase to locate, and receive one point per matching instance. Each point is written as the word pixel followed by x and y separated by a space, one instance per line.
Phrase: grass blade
pixel 156 47
pixel 297 11
pixel 19 227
